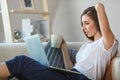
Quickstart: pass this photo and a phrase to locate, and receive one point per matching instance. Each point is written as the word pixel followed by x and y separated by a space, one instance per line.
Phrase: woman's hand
pixel 98 5
pixel 64 45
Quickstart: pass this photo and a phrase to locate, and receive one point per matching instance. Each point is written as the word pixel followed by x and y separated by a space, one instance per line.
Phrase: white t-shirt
pixel 92 59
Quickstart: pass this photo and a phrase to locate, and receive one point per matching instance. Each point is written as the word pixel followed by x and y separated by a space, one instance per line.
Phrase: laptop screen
pixel 35 49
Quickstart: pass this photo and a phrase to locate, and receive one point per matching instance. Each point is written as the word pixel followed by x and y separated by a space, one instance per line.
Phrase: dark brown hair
pixel 91 12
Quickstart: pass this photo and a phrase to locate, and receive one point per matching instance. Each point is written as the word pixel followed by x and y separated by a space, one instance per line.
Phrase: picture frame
pixel 28 5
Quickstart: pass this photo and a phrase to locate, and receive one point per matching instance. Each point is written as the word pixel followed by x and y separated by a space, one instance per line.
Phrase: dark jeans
pixel 25 68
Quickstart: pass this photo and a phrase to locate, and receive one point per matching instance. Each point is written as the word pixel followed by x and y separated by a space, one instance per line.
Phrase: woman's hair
pixel 91 12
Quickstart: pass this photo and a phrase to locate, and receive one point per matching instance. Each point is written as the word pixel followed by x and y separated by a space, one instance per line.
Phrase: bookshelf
pixel 6 13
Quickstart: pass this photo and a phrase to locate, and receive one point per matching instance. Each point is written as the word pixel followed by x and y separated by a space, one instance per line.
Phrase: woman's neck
pixel 97 36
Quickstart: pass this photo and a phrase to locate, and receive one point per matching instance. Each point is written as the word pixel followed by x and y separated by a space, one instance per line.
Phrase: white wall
pixel 65 17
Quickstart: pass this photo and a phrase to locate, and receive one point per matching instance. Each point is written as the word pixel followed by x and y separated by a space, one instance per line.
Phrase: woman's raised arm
pixel 107 34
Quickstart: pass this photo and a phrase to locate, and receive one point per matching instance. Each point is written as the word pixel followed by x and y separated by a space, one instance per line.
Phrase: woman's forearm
pixel 66 57
pixel 67 62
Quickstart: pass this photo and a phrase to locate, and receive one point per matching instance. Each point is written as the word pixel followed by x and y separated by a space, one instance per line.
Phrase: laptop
pixel 36 51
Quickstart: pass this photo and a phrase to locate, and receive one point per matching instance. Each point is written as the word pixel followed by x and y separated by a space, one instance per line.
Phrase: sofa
pixel 9 50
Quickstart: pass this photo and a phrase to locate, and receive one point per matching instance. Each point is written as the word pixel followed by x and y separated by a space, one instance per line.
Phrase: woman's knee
pixel 21 57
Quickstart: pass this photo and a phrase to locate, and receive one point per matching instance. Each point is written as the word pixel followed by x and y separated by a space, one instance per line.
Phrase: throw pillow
pixel 55 56
pixel 72 53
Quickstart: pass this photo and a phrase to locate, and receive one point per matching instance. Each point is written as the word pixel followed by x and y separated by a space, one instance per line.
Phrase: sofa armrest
pixel 9 50
pixel 116 68
pixel 75 45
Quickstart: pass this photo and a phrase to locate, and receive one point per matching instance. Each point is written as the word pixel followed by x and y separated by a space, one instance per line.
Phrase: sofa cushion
pixel 9 50
pixel 54 56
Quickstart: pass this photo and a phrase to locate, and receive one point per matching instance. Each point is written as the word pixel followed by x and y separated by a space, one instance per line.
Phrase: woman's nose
pixel 83 28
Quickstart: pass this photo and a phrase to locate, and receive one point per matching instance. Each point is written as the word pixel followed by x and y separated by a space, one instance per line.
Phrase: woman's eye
pixel 81 24
pixel 86 23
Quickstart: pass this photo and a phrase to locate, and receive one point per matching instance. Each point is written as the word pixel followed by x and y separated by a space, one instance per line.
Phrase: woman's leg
pixel 4 72
pixel 29 69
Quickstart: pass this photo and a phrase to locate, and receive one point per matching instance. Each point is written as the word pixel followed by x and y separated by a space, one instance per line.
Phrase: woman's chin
pixel 89 35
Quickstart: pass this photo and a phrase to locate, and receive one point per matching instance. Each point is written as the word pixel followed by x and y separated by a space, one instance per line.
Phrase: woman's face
pixel 88 26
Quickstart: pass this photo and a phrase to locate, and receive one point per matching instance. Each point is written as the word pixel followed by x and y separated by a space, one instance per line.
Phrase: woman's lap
pixel 31 69
pixel 25 67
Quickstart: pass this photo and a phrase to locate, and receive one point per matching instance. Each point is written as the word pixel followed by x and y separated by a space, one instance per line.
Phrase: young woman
pixel 91 60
